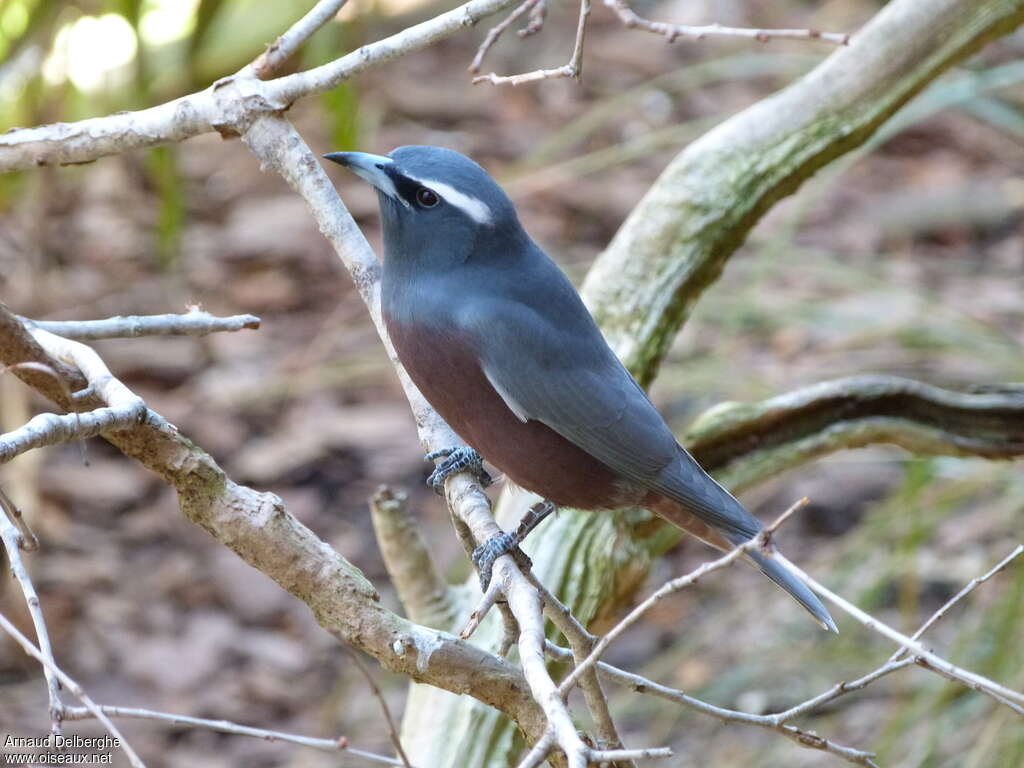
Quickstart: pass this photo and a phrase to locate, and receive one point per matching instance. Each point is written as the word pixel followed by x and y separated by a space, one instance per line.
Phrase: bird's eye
pixel 427 197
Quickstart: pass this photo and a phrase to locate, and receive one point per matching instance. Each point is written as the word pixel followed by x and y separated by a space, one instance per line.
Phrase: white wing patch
pixel 473 207
pixel 513 406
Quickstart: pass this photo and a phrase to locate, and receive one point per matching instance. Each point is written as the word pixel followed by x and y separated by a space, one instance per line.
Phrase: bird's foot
pixel 459 458
pixel 484 556
pixel 508 543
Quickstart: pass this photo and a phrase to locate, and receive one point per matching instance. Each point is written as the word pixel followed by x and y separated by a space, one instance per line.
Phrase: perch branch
pixel 339 744
pixel 582 644
pixel 195 322
pixel 630 19
pixel 71 685
pixel 573 69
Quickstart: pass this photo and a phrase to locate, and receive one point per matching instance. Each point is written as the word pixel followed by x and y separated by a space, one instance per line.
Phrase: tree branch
pixel 744 443
pixel 14 542
pixel 282 49
pixel 339 744
pixel 195 322
pixel 671 32
pixel 573 69
pixel 76 690
pixel 426 596
pixel 229 106
pixel 258 528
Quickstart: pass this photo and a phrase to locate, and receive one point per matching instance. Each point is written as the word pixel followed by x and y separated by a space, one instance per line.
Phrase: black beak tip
pixel 337 157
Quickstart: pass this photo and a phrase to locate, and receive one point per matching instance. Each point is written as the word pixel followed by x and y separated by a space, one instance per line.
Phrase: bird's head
pixel 436 204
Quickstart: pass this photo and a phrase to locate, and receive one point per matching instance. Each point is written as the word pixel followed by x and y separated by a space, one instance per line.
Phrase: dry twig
pixel 1012 699
pixel 630 19
pixel 340 744
pixel 282 49
pixel 14 542
pixel 75 688
pixel 573 69
pixel 195 322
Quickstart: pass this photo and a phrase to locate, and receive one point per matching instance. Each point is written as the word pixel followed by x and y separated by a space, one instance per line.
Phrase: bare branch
pixel 258 528
pixel 52 429
pixel 14 542
pixel 671 587
pixel 193 323
pixel 924 657
pixel 71 685
pixel 673 31
pixel 426 596
pixel 385 710
pixel 643 685
pixel 229 106
pixel 582 644
pixel 496 32
pixel 339 744
pixel 573 69
pixel 123 408
pixel 749 441
pixel 970 587
pixel 282 49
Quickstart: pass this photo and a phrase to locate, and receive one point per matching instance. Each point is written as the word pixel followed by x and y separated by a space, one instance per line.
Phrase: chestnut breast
pixel 446 369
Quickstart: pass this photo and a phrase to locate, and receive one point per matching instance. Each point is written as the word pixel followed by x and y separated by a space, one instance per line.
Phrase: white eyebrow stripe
pixel 475 208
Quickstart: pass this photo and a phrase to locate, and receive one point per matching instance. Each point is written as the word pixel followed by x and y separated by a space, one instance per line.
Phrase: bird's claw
pixel 484 556
pixel 457 459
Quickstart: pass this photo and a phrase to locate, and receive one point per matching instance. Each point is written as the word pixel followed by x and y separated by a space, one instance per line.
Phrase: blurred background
pixel 904 258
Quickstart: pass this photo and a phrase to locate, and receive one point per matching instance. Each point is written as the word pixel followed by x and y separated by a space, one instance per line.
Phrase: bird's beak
pixel 371 168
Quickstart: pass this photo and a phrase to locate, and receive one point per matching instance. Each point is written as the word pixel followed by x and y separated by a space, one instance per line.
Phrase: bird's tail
pixel 795 587
pixel 678 515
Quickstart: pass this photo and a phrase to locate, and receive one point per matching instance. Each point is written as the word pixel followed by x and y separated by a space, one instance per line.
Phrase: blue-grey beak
pixel 371 168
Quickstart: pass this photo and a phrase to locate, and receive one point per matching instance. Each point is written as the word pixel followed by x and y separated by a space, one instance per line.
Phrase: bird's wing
pixel 558 370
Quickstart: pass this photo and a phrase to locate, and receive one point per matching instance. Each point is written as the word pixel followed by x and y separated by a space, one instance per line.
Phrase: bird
pixel 499 342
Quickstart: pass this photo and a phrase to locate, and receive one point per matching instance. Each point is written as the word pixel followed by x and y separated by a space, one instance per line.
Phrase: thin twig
pixel 29 542
pixel 582 643
pixel 573 69
pixel 670 588
pixel 14 542
pixel 339 744
pixel 282 49
pixel 75 688
pixel 643 685
pixel 192 323
pixel 392 729
pixel 630 19
pixel 486 603
pixel 970 587
pixel 973 680
pixel 496 32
